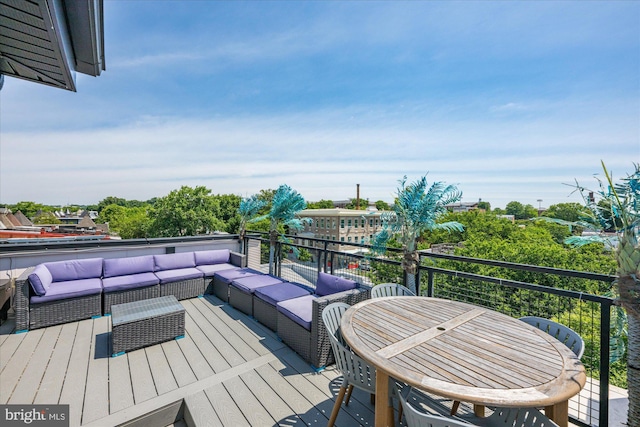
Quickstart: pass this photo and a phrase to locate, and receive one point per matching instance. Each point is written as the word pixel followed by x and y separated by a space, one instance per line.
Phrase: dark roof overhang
pixel 48 41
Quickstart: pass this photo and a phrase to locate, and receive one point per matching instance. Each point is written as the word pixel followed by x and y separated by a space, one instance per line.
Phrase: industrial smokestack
pixel 357 196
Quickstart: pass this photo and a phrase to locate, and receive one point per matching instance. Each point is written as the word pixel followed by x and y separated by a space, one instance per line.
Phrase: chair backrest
pixel 416 418
pixel 356 371
pixel 390 290
pixel 518 417
pixel 562 333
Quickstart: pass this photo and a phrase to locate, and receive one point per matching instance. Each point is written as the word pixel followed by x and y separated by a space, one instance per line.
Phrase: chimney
pixel 357 196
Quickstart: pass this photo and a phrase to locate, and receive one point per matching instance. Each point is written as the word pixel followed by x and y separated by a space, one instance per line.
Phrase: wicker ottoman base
pixel 143 323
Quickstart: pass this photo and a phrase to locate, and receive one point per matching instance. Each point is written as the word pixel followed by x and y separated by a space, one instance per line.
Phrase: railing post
pixel 430 281
pixel 324 256
pixel 605 338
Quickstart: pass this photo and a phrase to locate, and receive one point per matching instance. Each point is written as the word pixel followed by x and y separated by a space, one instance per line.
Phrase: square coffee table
pixel 147 322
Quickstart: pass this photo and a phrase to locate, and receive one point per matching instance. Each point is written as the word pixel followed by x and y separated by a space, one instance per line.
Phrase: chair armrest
pixel 21 300
pixel 238 259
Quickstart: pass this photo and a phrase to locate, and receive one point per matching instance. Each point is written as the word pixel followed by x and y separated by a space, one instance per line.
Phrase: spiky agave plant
pixel 285 206
pixel 618 208
pixel 248 210
pixel 416 210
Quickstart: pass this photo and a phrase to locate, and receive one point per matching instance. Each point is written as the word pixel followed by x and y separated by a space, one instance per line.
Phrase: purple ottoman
pixel 222 279
pixel 265 300
pixel 241 290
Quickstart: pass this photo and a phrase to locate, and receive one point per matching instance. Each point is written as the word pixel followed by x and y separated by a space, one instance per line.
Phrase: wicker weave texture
pixel 63 311
pixel 265 313
pixel 221 289
pixel 130 295
pixel 147 331
pixel 314 346
pixel 21 300
pixel 241 300
pixel 183 289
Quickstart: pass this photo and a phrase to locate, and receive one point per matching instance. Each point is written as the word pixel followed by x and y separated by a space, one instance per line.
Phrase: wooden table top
pixel 463 352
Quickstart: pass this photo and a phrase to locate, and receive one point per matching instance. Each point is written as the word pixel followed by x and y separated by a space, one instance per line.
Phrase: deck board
pixel 27 388
pixel 96 400
pixel 247 402
pixel 160 369
pixel 75 380
pixel 141 379
pixel 17 363
pixel 226 409
pixel 54 376
pixel 120 388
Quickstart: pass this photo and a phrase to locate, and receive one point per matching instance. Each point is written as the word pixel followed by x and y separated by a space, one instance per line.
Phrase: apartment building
pixel 342 226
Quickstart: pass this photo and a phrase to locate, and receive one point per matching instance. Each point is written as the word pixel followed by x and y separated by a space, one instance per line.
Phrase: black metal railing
pixel 482 282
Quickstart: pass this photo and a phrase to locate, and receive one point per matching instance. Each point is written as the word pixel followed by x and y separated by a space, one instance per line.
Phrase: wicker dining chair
pixel 501 417
pixel 562 333
pixel 356 372
pixel 390 290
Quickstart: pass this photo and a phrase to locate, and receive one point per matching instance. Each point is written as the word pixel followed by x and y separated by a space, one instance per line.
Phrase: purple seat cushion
pixel 329 284
pixel 273 294
pixel 174 261
pixel 168 276
pixel 70 289
pixel 40 279
pixel 126 266
pixel 218 256
pixel 210 270
pixel 228 275
pixel 75 269
pixel 298 309
pixel 131 281
pixel 249 284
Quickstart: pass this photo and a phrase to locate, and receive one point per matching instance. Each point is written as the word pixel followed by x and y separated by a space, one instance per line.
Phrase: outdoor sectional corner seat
pixel 67 291
pixel 299 321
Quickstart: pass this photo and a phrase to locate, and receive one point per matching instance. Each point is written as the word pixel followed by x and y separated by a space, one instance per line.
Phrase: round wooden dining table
pixel 463 352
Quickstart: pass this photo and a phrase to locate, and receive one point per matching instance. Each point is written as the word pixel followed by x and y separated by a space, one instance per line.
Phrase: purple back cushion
pixel 40 279
pixel 76 269
pixel 218 256
pixel 174 261
pixel 329 284
pixel 125 266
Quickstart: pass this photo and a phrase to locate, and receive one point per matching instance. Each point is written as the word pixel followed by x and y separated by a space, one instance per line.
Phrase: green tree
pixel 322 204
pixel 111 200
pixel 417 210
pixel 128 223
pixel 381 205
pixel 185 212
pixel 521 211
pixel 566 211
pixel 46 218
pixel 484 205
pixel 353 204
pixel 29 209
pixel 228 211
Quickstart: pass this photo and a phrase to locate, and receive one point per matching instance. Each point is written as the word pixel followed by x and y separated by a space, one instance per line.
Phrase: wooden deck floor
pixel 228 370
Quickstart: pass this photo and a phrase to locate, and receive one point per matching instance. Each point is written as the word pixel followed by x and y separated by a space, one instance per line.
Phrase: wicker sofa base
pixel 149 330
pixel 183 289
pixel 221 289
pixel 299 339
pixel 130 295
pixel 241 300
pixel 63 311
pixel 265 313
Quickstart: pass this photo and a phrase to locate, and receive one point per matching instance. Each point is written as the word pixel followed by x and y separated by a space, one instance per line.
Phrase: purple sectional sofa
pixel 299 321
pixel 67 291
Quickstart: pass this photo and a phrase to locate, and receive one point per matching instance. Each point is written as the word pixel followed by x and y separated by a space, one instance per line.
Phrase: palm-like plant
pixel 617 207
pixel 249 208
pixel 417 209
pixel 285 206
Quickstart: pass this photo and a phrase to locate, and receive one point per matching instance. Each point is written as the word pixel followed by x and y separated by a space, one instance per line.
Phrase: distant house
pixel 464 207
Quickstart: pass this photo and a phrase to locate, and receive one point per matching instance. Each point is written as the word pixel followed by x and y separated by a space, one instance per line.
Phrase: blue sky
pixel 507 100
